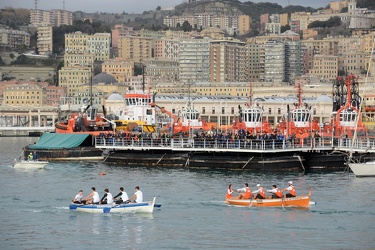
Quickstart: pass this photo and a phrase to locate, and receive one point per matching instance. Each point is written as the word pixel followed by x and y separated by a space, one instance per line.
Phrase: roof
pixel 104 78
pixel 59 141
pixel 324 98
pixel 115 97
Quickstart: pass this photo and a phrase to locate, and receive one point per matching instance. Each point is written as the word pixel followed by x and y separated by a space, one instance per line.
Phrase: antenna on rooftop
pixel 63 4
pixel 36 4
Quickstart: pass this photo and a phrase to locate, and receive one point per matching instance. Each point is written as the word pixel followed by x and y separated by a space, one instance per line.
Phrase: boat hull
pixel 30 164
pixel 363 169
pixel 299 201
pixel 143 207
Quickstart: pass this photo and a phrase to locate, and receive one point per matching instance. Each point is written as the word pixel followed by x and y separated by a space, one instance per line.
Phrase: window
pixel 213 110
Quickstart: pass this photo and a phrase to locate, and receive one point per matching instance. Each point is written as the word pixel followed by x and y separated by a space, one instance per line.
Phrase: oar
pixel 251 201
pixel 282 200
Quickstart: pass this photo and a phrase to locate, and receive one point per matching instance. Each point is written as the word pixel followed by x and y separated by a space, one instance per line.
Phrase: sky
pixel 130 6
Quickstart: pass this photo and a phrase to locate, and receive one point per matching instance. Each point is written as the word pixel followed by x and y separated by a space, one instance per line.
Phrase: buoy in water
pixel 102 173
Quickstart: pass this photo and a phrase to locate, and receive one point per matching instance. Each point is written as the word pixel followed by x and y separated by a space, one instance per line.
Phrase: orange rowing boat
pixel 298 201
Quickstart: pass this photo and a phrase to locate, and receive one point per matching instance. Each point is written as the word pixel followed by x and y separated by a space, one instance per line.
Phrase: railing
pixel 239 144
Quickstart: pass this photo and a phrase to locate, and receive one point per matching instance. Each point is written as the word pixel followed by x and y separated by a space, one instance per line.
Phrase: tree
pixel 158 8
pixel 186 27
pixel 285 28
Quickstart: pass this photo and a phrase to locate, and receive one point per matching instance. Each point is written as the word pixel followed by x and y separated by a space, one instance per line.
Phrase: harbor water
pixel 193 214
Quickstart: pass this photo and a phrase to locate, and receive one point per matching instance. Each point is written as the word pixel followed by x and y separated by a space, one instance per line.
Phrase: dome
pixel 115 97
pixel 324 98
pixel 103 78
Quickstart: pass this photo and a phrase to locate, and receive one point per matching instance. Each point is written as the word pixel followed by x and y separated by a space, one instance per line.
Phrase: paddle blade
pixel 106 210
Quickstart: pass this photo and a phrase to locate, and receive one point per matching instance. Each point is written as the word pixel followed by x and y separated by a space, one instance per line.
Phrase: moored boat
pixel 30 164
pixel 366 169
pixel 137 112
pixel 142 207
pixel 298 201
pixel 298 122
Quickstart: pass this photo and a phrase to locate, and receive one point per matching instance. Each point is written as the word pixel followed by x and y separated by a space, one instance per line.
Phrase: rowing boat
pixel 298 201
pixel 142 207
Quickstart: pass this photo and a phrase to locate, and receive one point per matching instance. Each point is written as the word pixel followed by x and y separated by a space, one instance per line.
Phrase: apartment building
pixel 279 18
pixel 51 17
pixel 119 68
pixel 79 59
pixel 135 48
pixel 320 47
pixel 302 17
pixel 325 67
pixel 76 43
pixel 228 61
pixel 167 49
pixel 369 40
pixel 264 19
pixel 120 30
pixel 273 28
pixel 293 60
pixel 244 24
pixel 25 94
pixel 41 16
pixel 236 23
pixel 14 38
pixel 354 62
pixel 99 45
pixel 63 17
pixel 44 39
pixel 295 26
pixel 72 77
pixel 53 95
pixel 274 61
pixel 254 66
pixel 194 60
pixel 161 70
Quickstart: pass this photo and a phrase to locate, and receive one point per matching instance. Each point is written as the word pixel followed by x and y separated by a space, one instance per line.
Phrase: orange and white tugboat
pixel 347 118
pixel 298 122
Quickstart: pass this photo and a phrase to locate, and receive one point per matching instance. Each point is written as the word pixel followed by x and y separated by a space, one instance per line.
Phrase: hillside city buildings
pixel 206 62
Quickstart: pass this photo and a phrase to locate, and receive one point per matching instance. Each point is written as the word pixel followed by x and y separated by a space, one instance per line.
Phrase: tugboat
pixel 298 122
pixel 137 113
pixel 88 121
pixel 347 116
pixel 251 120
pixel 187 120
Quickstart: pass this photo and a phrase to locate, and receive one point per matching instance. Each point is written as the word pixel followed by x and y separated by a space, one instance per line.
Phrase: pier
pixel 25 131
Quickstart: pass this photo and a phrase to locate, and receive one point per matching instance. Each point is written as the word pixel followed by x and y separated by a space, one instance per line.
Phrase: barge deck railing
pixel 186 144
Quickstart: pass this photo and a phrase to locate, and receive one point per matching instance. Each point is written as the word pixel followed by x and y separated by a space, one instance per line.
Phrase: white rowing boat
pixel 142 207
